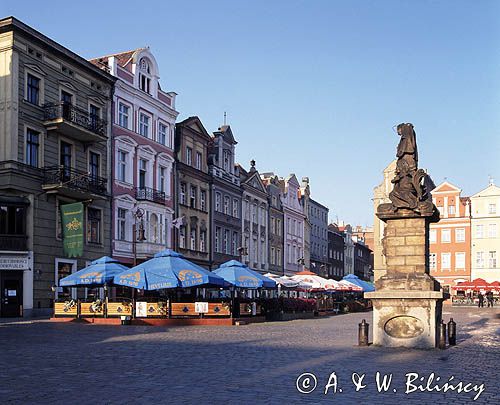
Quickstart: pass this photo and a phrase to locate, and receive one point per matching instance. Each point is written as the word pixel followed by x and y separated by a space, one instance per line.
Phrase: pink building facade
pixel 143 156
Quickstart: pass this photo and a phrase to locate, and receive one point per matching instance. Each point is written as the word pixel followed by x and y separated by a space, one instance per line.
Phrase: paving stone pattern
pixel 43 362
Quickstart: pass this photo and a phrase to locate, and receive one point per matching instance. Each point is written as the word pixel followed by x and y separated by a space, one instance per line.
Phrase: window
pixel 182 237
pixel 493 259
pixel 95 115
pixel 32 147
pixel 192 239
pixel 492 208
pixel 93 225
pixel 122 213
pixel 183 194
pixel 236 211
pixel 122 165
pixel 451 210
pixel 235 244
pixel 273 225
pixel 123 115
pixel 33 89
pixel 217 238
pixel 278 227
pixel 226 205
pixel 445 261
pixel 12 220
pixel 460 235
pixel 273 253
pixel 445 236
pixel 66 98
pixel 480 259
pixel 218 202
pixel 432 236
pixel 189 156
pixel 162 133
pixel 143 164
pixel 460 260
pixel 94 166
pixel 162 179
pixel 279 257
pixel 203 200
pixel 254 213
pixel 198 160
pixel 203 238
pixel 226 241
pixel 66 159
pixel 226 160
pixel 144 83
pixel 479 231
pixel 144 125
pixel 192 196
pixel 492 230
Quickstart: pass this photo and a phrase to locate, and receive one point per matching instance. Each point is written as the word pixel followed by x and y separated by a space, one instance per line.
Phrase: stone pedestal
pixel 407 303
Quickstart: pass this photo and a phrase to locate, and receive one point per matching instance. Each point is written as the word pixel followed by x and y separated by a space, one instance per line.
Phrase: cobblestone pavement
pixel 42 362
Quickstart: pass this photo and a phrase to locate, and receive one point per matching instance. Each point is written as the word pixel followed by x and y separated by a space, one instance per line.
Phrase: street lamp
pixel 242 251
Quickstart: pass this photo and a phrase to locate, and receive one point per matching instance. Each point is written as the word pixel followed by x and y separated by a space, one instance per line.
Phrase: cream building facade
pixel 485 246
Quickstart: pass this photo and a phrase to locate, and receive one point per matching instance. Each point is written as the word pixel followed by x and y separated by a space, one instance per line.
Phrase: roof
pixel 122 58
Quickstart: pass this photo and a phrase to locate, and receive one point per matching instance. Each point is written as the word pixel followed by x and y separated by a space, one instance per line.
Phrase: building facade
pixel 226 198
pixel 54 142
pixel 348 249
pixel 255 237
pixel 276 222
pixel 336 249
pixel 485 224
pixel 318 218
pixel 450 238
pixel 143 156
pixel 305 197
pixel 193 203
pixel 362 260
pixel 294 218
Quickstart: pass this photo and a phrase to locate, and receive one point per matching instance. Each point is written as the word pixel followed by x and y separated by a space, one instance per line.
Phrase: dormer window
pixel 145 75
pixel 227 160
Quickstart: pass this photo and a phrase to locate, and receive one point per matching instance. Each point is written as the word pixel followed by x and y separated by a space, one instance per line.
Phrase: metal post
pixel 363 333
pixel 442 335
pixel 452 332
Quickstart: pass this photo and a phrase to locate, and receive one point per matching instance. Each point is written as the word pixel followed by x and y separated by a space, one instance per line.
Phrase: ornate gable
pixel 446 187
pixel 255 182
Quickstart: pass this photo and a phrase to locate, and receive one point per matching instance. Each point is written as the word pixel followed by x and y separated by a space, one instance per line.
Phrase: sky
pixel 315 87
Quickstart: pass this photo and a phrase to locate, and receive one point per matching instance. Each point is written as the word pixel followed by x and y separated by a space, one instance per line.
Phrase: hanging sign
pixel 72 226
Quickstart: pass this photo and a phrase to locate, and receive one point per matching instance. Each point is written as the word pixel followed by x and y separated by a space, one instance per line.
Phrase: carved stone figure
pixel 409 192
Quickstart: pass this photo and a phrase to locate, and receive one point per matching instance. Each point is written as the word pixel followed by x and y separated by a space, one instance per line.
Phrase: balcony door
pixel 65 159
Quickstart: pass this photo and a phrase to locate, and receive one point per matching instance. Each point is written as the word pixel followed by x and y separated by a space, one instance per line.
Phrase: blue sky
pixel 315 87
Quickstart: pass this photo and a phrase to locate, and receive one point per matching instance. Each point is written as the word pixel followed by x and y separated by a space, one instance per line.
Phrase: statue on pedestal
pixel 409 192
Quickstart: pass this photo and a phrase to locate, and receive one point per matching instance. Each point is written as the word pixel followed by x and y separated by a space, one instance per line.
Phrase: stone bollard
pixel 363 333
pixel 442 335
pixel 452 332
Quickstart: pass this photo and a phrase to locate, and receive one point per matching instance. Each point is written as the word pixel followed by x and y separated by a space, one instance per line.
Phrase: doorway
pixel 11 294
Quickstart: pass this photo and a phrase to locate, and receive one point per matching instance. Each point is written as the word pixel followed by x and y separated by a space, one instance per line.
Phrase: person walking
pixel 489 297
pixel 481 300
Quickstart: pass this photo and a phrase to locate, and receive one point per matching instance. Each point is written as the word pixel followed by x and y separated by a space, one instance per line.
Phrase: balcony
pixel 74 122
pixel 14 242
pixel 150 194
pixel 73 183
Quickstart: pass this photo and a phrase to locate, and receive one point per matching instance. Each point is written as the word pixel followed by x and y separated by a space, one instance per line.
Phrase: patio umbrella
pixel 352 278
pixel 239 275
pixel 167 269
pixel 99 272
pixel 476 285
pixel 283 280
pixel 350 286
pixel 316 282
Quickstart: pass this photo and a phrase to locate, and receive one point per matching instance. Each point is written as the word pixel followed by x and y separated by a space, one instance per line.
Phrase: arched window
pixel 145 75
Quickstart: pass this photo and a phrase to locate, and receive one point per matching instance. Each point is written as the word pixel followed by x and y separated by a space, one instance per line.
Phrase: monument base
pixel 406 318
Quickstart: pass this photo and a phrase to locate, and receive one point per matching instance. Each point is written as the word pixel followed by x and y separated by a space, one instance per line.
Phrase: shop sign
pixel 14 263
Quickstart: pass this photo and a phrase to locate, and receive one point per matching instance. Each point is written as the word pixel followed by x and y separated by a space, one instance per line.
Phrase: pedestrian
pixel 481 300
pixel 489 297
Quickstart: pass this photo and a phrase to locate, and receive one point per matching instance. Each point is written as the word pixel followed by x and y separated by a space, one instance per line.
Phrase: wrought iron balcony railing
pixel 74 179
pixel 75 115
pixel 150 194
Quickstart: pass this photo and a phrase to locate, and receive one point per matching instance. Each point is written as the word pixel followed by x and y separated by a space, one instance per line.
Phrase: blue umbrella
pixel 266 281
pixel 239 275
pixel 167 269
pixel 367 287
pixel 99 272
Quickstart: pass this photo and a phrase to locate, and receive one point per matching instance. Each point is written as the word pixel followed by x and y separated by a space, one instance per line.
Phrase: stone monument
pixel 407 303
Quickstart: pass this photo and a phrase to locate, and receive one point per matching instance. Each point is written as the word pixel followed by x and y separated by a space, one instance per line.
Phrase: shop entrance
pixel 11 294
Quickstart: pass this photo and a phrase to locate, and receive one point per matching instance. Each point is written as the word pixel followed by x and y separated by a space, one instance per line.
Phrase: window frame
pixel 140 124
pixel 89 227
